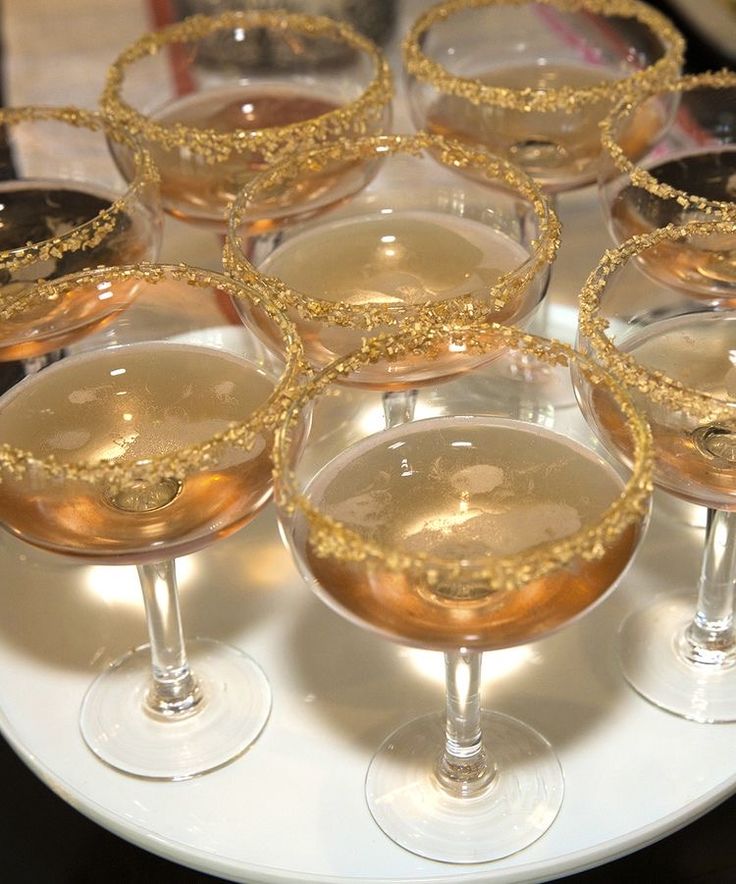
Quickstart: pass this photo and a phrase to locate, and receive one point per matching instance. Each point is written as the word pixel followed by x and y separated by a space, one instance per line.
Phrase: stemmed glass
pixel 217 99
pixel 675 353
pixel 419 241
pixel 485 522
pixel 689 176
pixel 64 207
pixel 152 442
pixel 532 80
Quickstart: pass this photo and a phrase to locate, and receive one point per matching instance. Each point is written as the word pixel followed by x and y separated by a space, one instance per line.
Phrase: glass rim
pixel 640 176
pixel 90 233
pixel 567 99
pixel 189 458
pixel 452 154
pixel 330 537
pixel 215 146
pixel 655 385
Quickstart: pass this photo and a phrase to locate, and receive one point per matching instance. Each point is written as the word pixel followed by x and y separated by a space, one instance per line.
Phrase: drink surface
pixel 33 212
pixel 132 403
pixel 558 148
pixel 406 257
pixel 461 489
pixel 694 461
pixel 702 265
pixel 191 187
pixel 244 107
pixel 402 257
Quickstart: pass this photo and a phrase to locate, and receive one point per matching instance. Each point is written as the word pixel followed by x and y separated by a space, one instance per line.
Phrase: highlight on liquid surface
pixel 33 212
pixel 463 488
pixel 134 402
pixel 193 188
pixel 704 265
pixel 560 149
pixel 692 460
pixel 402 257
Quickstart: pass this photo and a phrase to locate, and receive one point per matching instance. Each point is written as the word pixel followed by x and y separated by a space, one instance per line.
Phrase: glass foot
pixel 517 807
pixel 650 651
pixel 118 728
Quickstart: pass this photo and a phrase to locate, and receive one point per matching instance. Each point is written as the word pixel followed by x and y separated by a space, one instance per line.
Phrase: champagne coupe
pixel 485 522
pixel 689 176
pixel 418 242
pixel 292 82
pixel 674 350
pixel 153 442
pixel 532 80
pixel 64 207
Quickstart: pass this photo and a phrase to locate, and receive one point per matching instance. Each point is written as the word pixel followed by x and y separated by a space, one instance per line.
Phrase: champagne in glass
pixel 56 221
pixel 533 80
pixel 473 487
pixel 293 82
pixel 480 522
pixel 417 244
pixel 675 355
pixel 690 176
pixel 152 443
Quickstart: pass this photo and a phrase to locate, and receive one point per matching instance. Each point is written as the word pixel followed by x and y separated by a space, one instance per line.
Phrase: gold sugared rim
pixel 331 538
pixel 640 176
pixel 15 462
pixel 565 98
pixel 655 385
pixel 451 153
pixel 90 234
pixel 214 146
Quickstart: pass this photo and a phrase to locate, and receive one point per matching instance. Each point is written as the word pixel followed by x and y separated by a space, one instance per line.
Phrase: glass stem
pixel 463 767
pixel 398 407
pixel 33 364
pixel 14 371
pixel 174 690
pixel 710 639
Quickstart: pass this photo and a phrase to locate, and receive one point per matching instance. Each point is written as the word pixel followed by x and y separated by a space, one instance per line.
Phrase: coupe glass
pixel 675 353
pixel 487 521
pixel 64 207
pixel 151 443
pixel 689 176
pixel 532 80
pixel 418 242
pixel 291 82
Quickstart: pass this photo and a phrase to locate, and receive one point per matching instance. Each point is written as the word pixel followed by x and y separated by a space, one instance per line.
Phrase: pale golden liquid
pixel 194 189
pixel 401 258
pixel 463 489
pixel 559 149
pixel 704 265
pixel 693 460
pixel 134 402
pixel 35 212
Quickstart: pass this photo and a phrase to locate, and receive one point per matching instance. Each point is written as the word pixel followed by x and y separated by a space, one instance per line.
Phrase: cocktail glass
pixel 152 442
pixel 484 522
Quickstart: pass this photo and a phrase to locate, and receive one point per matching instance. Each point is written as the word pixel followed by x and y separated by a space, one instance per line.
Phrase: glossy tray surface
pixel 292 809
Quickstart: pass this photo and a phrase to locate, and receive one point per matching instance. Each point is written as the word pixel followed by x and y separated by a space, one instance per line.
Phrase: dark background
pixel 43 840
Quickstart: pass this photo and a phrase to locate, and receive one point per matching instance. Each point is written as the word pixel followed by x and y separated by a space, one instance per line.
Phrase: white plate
pixel 292 809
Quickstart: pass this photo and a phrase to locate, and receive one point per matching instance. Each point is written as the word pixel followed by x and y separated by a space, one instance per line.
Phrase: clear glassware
pixel 674 351
pixel 487 521
pixel 690 176
pixel 64 207
pixel 532 80
pixel 418 242
pixel 292 82
pixel 151 442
